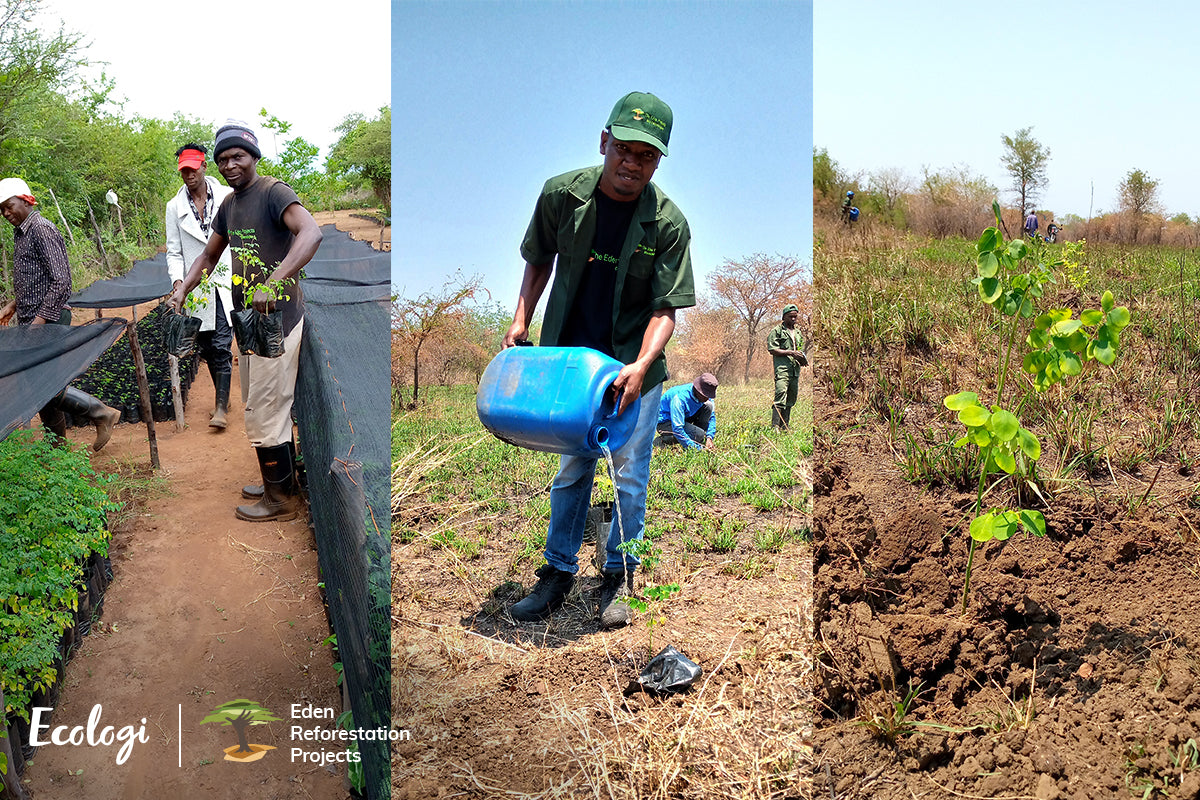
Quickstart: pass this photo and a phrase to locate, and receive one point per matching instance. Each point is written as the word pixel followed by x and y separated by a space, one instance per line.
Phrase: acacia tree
pixel 365 151
pixel 757 287
pixel 1025 159
pixel 240 715
pixel 1138 195
pixel 416 321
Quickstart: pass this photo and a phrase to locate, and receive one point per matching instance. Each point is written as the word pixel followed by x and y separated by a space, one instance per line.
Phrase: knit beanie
pixel 236 134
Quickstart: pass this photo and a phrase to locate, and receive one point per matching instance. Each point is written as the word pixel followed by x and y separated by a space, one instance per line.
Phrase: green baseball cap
pixel 641 117
pixel 789 308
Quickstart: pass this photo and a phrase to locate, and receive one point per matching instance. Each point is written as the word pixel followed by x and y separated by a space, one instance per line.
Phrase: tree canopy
pixel 1026 160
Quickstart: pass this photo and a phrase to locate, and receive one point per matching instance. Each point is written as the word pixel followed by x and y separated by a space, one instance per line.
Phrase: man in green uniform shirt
pixel 786 347
pixel 618 251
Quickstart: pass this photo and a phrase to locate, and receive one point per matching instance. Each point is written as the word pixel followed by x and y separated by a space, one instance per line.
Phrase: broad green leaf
pixel 1017 249
pixel 1107 302
pixel 1070 364
pixel 981 527
pixel 996 214
pixel 962 442
pixel 988 240
pixel 1005 460
pixel 1011 304
pixel 1059 314
pixel 1029 444
pixel 980 436
pixel 1004 425
pixel 1091 317
pixel 1118 318
pixel 1066 327
pixel 1029 362
pixel 1027 309
pixel 989 265
pixel 957 402
pixel 1033 521
pixel 1021 282
pixel 990 289
pixel 1005 526
pixel 1038 338
pixel 973 416
pixel 1103 349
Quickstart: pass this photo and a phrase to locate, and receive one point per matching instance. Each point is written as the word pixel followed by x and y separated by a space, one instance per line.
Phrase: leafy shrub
pixel 53 514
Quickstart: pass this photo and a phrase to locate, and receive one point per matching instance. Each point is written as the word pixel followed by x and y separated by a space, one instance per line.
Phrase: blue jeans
pixel 571 495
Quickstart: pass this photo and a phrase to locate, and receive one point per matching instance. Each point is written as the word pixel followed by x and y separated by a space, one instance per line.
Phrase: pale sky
pixel 492 99
pixel 1104 85
pixel 309 63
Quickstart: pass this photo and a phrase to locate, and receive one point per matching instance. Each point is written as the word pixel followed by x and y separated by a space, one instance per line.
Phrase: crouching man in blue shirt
pixel 688 412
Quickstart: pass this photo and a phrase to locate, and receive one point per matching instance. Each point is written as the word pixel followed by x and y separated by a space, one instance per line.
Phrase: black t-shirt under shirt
pixel 590 320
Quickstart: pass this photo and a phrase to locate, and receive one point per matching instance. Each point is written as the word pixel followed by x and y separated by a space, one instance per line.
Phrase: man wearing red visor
pixel 42 282
pixel 189 224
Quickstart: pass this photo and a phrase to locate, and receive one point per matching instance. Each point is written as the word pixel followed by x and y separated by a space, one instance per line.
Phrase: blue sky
pixel 492 98
pixel 1104 85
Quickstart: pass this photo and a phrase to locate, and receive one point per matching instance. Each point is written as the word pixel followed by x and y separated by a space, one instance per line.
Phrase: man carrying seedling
pixel 687 414
pixel 42 282
pixel 272 237
pixel 188 224
pixel 618 249
pixel 785 344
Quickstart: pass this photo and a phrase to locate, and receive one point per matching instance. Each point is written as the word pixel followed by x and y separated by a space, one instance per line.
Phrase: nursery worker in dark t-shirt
pixel 262 220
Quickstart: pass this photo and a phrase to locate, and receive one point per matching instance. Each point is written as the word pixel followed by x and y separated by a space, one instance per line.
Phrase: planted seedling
pixel 1059 346
pixel 651 607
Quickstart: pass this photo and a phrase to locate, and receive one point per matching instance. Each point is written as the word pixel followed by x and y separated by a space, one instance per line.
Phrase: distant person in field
pixel 189 221
pixel 42 283
pixel 618 252
pixel 285 239
pixel 786 346
pixel 1031 225
pixel 687 414
pixel 847 205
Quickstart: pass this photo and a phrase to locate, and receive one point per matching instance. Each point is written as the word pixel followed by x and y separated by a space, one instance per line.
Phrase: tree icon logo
pixel 241 714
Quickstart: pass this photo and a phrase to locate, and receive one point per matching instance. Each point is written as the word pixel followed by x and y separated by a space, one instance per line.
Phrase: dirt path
pixel 203 609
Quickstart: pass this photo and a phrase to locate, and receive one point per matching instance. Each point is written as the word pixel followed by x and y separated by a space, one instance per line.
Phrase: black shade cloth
pixel 343 406
pixel 37 362
pixel 145 281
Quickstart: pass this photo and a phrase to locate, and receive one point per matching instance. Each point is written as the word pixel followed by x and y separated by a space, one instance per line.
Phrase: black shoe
pixel 548 594
pixel 614 611
pixel 277 503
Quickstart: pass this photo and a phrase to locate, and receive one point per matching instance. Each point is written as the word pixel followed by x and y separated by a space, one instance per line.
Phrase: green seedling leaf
pixel 990 289
pixel 982 527
pixel 988 264
pixel 1005 460
pixel 988 240
pixel 1017 249
pixel 1003 424
pixel 1037 338
pixel 1029 444
pixel 1065 327
pixel 1033 522
pixel 957 402
pixel 1118 318
pixel 1103 349
pixel 1070 364
pixel 996 213
pixel 1091 317
pixel 1006 524
pixel 964 441
pixel 1107 302
pixel 973 416
pixel 980 437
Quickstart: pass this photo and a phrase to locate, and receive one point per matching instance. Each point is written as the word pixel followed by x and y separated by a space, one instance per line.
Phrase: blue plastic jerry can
pixel 555 400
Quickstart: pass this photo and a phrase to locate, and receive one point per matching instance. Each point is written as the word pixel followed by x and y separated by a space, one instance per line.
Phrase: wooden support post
pixel 176 391
pixel 139 365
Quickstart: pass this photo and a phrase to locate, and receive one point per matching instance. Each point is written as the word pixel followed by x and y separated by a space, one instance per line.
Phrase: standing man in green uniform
pixel 618 250
pixel 785 344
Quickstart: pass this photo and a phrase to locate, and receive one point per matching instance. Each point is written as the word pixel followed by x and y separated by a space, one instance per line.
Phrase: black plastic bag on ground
pixel 258 334
pixel 180 336
pixel 669 672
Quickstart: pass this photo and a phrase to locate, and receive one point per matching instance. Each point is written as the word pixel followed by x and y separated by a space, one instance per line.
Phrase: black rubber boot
pixel 777 418
pixel 83 405
pixel 787 418
pixel 277 502
pixel 255 492
pixel 54 421
pixel 221 383
pixel 548 594
pixel 614 611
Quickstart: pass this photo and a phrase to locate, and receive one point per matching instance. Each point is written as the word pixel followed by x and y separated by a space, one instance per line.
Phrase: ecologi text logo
pixel 241 714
